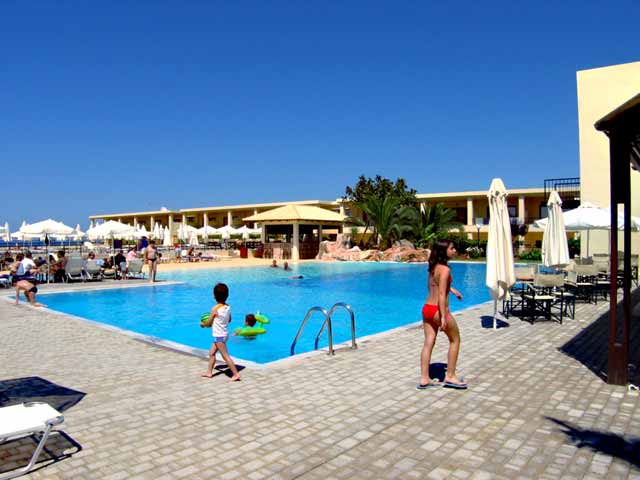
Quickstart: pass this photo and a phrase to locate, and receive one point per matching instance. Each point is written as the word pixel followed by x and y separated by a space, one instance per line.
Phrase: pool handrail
pixel 304 322
pixel 348 308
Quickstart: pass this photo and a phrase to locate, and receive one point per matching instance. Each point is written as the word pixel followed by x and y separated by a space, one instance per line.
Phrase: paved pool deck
pixel 537 406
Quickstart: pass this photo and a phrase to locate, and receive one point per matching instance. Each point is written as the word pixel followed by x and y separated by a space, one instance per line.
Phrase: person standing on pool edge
pixel 436 315
pixel 151 258
pixel 219 319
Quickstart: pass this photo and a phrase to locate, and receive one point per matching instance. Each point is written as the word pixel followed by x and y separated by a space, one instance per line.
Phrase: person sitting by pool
pixel 120 264
pixel 59 267
pixel 132 254
pixel 274 264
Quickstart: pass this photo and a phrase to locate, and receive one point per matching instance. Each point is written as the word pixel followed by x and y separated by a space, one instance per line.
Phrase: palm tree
pixel 434 223
pixel 390 220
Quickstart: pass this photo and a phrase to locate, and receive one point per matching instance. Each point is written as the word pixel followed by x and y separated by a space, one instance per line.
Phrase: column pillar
pixel 295 249
pixel 470 216
pixel 205 219
pixel 319 233
pixel 255 224
pixel 135 222
pixel 342 209
pixel 152 223
pixel 171 226
pixel 229 218
pixel 521 219
pixel 263 234
pixel 184 220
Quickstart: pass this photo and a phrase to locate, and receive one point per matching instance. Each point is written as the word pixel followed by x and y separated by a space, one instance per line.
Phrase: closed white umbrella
pixel 6 234
pixel 77 233
pixel 500 271
pixel 166 241
pixel 555 249
pixel 156 231
pixel 193 239
pixel 142 231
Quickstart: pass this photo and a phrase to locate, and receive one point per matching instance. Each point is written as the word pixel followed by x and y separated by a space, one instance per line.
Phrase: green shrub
pixel 534 254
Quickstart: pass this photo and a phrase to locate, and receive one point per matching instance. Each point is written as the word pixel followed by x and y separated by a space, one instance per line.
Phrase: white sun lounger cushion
pixel 27 419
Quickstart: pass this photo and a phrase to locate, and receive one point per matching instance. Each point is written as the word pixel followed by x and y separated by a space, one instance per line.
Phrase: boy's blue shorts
pixel 220 339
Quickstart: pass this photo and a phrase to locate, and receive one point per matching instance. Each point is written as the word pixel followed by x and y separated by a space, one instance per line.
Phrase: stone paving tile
pixel 147 414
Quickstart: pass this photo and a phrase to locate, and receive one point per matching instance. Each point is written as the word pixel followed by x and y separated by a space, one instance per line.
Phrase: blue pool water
pixel 383 296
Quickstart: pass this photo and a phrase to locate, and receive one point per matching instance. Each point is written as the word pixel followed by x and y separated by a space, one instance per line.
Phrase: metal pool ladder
pixel 327 323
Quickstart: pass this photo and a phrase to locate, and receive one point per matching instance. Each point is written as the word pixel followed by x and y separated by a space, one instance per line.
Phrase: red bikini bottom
pixel 429 312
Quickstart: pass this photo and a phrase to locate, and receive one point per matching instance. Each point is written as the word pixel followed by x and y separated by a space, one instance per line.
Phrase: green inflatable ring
pixel 260 318
pixel 204 318
pixel 250 331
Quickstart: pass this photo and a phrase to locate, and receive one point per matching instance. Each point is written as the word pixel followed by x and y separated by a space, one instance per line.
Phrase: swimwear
pixel 429 312
pixel 34 290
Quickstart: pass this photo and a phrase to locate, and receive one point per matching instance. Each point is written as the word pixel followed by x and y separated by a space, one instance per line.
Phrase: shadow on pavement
pixel 487 322
pixel 438 371
pixel 608 443
pixel 590 345
pixel 36 389
pixel 17 453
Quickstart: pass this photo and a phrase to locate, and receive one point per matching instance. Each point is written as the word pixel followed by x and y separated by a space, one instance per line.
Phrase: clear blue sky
pixel 129 106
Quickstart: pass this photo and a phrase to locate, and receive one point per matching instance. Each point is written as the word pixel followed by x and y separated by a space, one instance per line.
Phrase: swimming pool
pixel 382 295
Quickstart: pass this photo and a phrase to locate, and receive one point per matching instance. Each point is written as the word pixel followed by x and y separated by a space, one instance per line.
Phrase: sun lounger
pixel 75 269
pixel 92 270
pixel 134 269
pixel 26 419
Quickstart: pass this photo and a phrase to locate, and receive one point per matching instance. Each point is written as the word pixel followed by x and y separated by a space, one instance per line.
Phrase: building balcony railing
pixel 513 220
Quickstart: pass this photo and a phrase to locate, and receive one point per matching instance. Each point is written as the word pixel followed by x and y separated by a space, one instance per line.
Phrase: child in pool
pixel 250 322
pixel 221 315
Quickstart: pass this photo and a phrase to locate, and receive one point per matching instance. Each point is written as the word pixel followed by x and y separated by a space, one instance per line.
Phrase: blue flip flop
pixel 425 387
pixel 456 386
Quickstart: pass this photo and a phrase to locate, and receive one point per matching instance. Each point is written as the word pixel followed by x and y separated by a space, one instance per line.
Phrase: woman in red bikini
pixel 436 315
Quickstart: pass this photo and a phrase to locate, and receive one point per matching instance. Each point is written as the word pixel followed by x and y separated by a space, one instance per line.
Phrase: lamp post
pixel 478 237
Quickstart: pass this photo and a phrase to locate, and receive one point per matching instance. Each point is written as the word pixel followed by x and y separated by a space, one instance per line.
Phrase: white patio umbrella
pixel 142 231
pixel 166 241
pixel 111 230
pixel 555 249
pixel 156 232
pixel 245 231
pixel 20 234
pixel 207 230
pixel 227 231
pixel 587 217
pixel 48 227
pixel 500 272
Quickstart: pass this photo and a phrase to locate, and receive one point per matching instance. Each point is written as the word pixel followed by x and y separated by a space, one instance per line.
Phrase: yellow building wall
pixel 601 90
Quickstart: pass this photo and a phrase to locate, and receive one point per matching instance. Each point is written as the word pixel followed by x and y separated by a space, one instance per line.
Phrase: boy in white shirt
pixel 219 320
